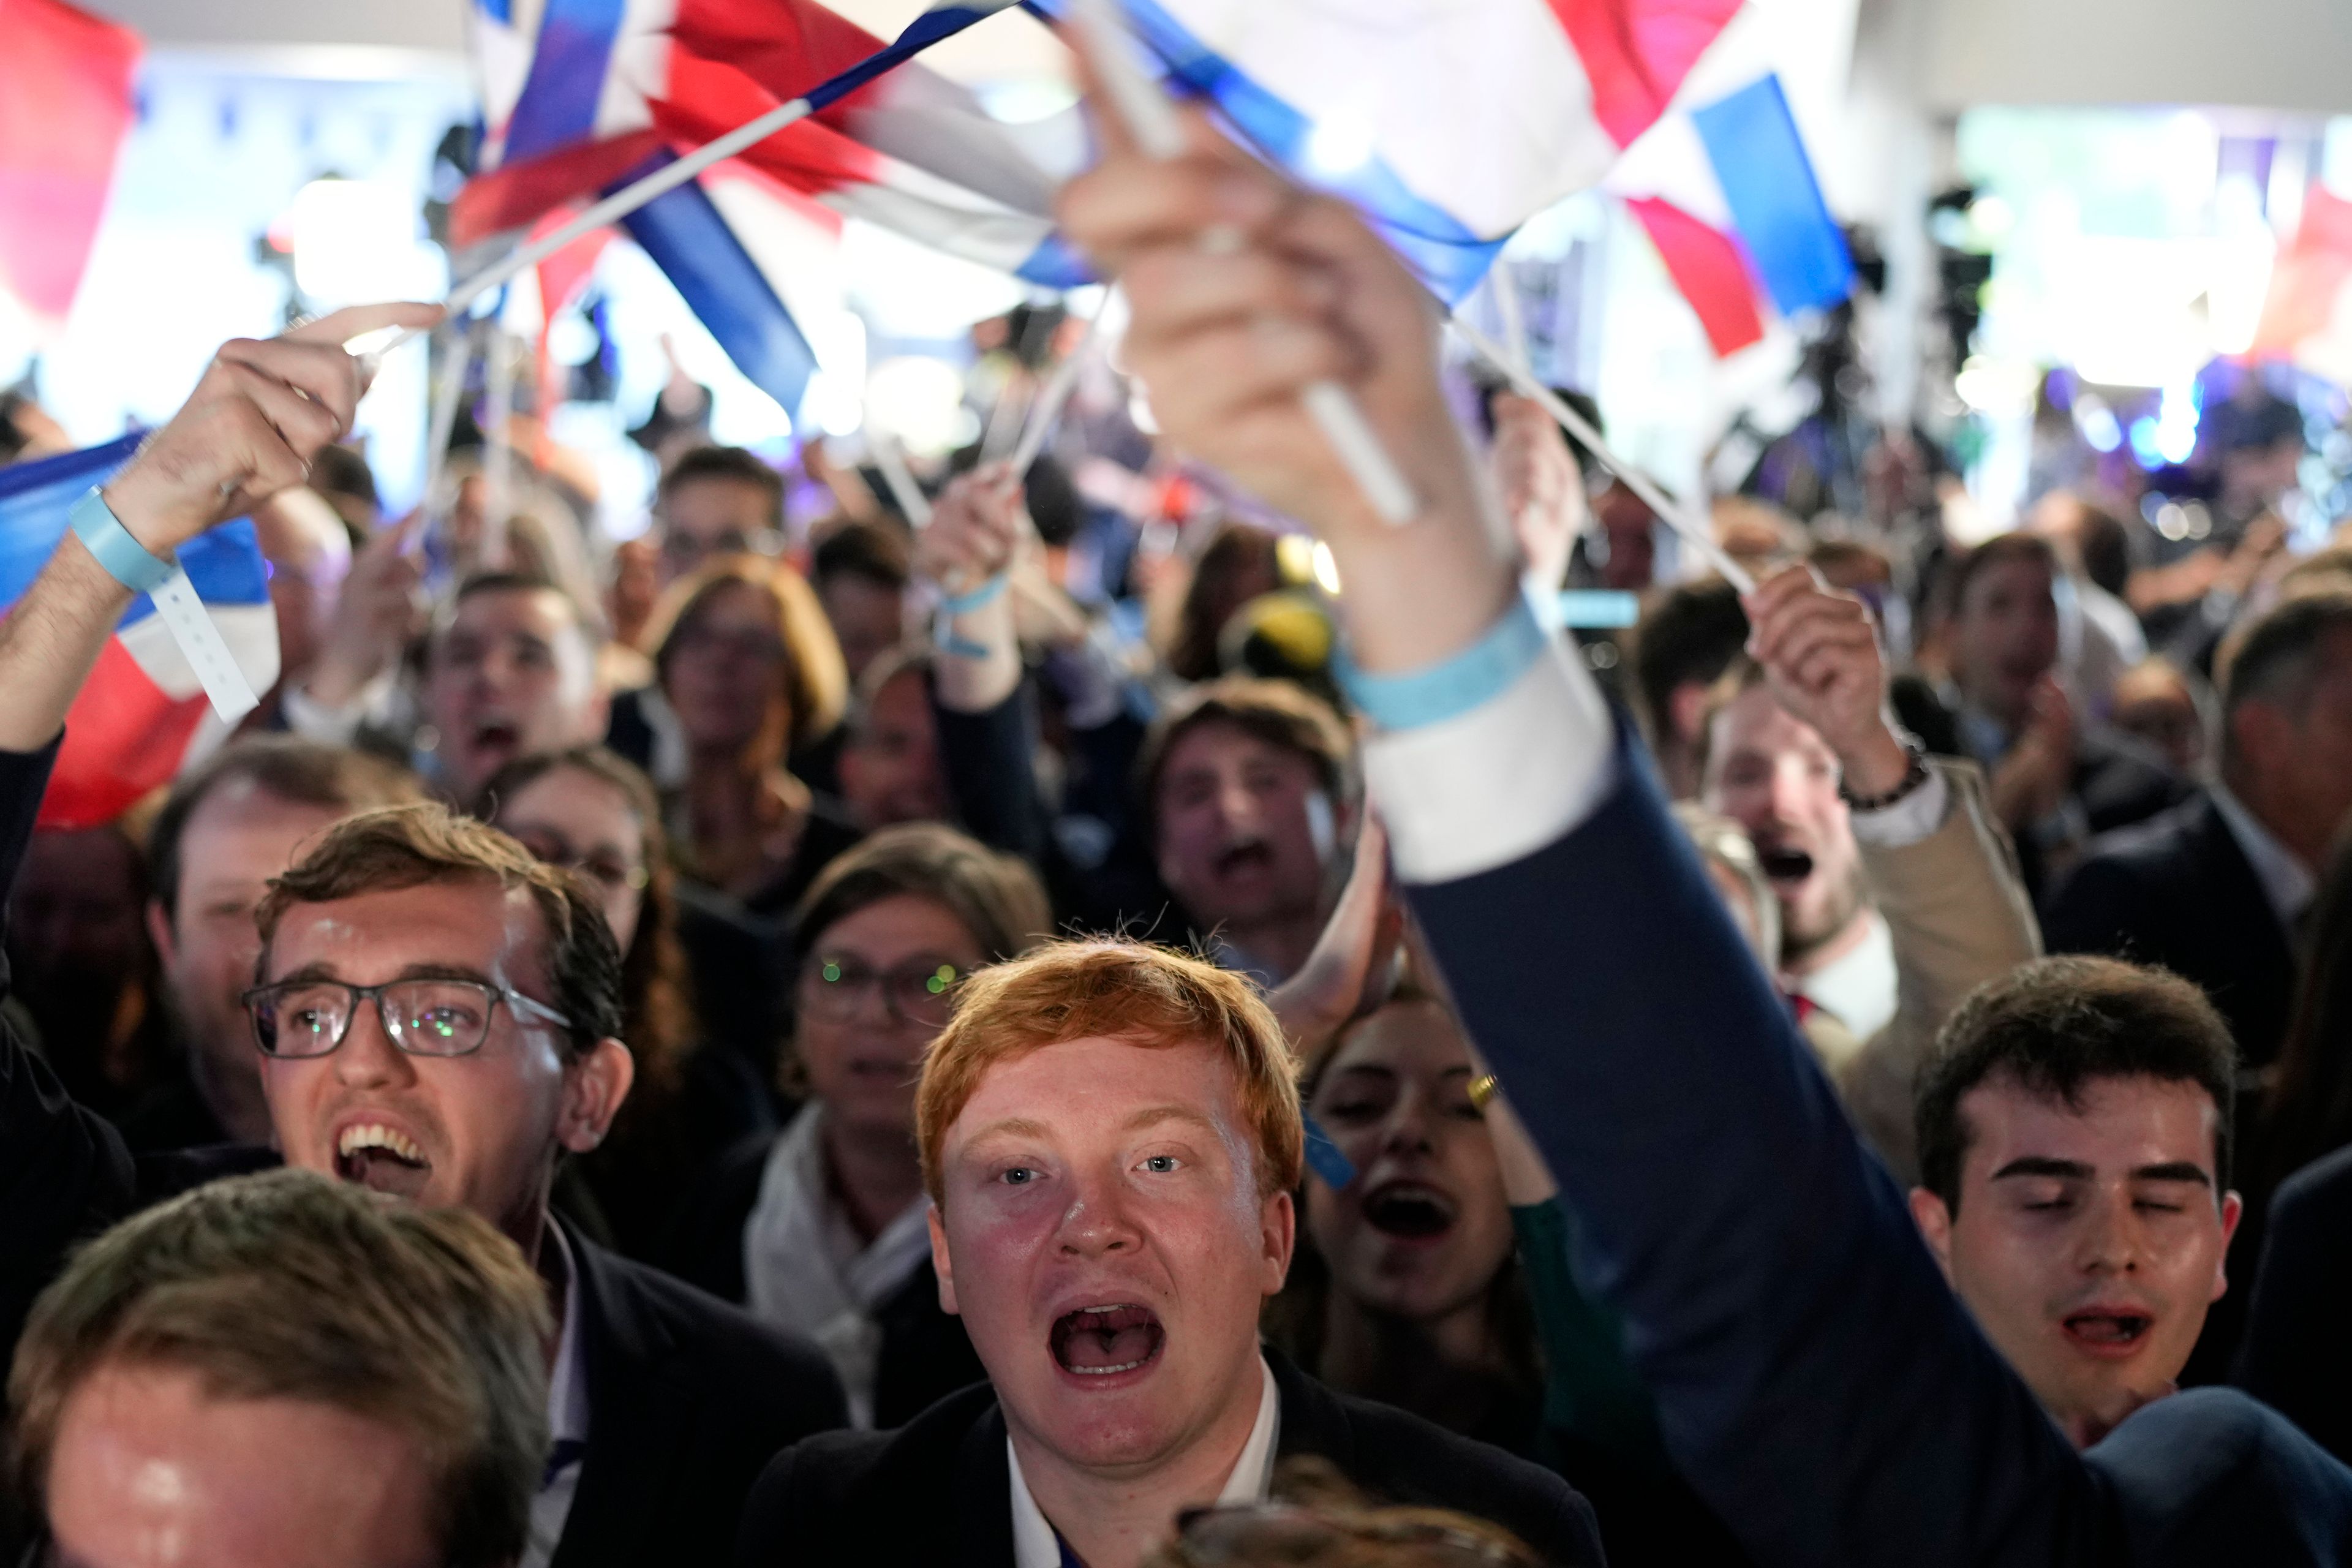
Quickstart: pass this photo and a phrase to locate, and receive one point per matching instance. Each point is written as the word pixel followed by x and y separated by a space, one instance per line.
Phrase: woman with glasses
pixel 590 811
pixel 822 1229
pixel 748 668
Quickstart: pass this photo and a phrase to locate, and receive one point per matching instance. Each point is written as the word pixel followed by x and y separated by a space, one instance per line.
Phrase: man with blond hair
pixel 1111 1133
pixel 281 1370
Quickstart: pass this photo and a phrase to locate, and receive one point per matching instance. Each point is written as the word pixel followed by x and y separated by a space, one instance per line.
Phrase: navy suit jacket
pixel 1816 1378
pixel 2295 1353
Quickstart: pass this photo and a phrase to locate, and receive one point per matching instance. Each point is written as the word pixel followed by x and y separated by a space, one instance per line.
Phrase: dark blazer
pixel 2294 1355
pixel 845 1497
pixel 688 1399
pixel 2176 891
pixel 687 1396
pixel 1816 1379
pixel 926 1354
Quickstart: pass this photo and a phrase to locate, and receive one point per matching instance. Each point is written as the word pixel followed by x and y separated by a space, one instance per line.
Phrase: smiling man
pixel 2074 1141
pixel 1111 1137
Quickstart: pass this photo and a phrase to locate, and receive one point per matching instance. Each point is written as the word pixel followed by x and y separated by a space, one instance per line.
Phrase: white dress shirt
pixel 1034 1545
pixel 567 1412
pixel 2287 883
pixel 805 1269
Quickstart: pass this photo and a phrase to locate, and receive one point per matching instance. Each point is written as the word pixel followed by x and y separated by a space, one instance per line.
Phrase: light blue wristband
pixel 986 594
pixel 1470 679
pixel 125 558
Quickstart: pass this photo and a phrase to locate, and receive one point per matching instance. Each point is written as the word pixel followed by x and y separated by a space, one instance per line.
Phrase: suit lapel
pixel 637 1415
pixel 981 1505
pixel 1312 1419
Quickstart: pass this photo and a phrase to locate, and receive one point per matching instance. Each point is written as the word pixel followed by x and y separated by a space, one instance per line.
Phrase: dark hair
pixel 411 845
pixel 289 1285
pixel 876 551
pixel 2276 656
pixel 658 1017
pixel 1273 711
pixel 726 463
pixel 2105 543
pixel 342 471
pixel 1966 566
pixel 996 897
pixel 1691 632
pixel 907 658
pixel 2056 1024
pixel 813 686
pixel 1236 550
pixel 303 771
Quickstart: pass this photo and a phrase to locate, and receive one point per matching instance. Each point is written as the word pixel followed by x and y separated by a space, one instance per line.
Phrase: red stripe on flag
pixel 1708 267
pixel 522 194
pixel 1636 53
pixel 787 46
pixel 123 738
pixel 64 107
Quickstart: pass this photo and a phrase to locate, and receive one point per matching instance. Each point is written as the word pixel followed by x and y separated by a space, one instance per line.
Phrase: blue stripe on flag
pixel 1449 256
pixel 1800 253
pixel 569 63
pixel 1055 264
pixel 941 21
pixel 36 499
pixel 689 240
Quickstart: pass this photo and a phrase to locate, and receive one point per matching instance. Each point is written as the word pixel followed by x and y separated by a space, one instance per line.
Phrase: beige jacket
pixel 1958 910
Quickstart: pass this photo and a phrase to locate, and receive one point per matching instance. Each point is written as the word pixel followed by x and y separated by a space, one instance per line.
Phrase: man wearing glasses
pixel 437 1017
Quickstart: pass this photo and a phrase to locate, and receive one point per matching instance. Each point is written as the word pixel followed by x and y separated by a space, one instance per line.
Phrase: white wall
pixel 2291 55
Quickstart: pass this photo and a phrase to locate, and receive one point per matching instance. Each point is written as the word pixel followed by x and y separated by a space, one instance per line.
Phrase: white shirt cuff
pixel 1496 784
pixel 1911 820
pixel 315 721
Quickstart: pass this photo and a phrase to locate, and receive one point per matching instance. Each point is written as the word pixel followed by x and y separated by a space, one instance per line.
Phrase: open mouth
pixel 1103 1342
pixel 497 735
pixel 381 1159
pixel 1409 1211
pixel 2111 1333
pixel 1253 855
pixel 1784 865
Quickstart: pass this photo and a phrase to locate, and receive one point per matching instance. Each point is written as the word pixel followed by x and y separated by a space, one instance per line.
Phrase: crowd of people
pixel 1057 1037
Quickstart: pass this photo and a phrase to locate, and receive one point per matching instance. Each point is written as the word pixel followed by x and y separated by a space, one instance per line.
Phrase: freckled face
pixel 1103 1236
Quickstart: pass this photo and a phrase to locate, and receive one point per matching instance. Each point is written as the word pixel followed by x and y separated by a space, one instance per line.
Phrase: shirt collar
pixel 2288 884
pixel 567 1380
pixel 1034 1545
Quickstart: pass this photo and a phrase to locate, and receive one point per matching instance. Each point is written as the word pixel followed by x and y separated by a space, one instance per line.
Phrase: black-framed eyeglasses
pixel 834 987
pixel 423 1017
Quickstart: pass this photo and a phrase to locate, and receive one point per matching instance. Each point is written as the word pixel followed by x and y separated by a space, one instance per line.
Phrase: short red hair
pixel 1125 991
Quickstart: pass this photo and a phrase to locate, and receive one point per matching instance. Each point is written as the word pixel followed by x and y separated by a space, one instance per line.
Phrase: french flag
pixel 583 96
pixel 1726 193
pixel 144 711
pixel 1448 126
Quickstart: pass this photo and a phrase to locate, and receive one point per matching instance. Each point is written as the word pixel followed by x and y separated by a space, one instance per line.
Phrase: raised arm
pixel 249 429
pixel 1816 1379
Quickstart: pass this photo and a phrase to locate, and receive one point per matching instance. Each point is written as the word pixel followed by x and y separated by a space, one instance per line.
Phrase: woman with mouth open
pixel 821 1229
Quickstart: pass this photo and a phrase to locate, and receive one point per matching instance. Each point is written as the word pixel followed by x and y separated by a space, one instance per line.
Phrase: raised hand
pixel 1821 657
pixel 1543 491
pixel 383 606
pixel 1349 971
pixel 263 410
pixel 977 528
pixel 1245 290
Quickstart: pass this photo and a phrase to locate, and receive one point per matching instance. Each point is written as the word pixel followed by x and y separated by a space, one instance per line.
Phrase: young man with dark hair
pixel 1817 1380
pixel 716 501
pixel 436 1012
pixel 228 828
pixel 2213 889
pixel 2073 1147
pixel 510 669
pixel 275 1370
pixel 1248 787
